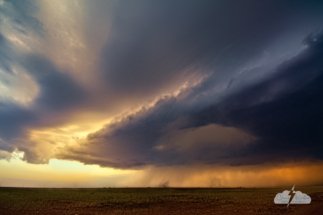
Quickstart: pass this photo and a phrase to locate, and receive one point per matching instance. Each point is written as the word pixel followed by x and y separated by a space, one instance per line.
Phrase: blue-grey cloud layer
pixel 259 84
pixel 283 113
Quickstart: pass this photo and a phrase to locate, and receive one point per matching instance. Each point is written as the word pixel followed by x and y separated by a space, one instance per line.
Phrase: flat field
pixel 154 201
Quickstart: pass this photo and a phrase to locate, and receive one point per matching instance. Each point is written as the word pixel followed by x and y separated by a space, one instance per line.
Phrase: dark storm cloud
pixel 152 43
pixel 13 118
pixel 283 113
pixel 57 89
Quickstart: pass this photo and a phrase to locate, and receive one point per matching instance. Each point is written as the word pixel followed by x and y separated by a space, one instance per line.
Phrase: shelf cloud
pixel 133 84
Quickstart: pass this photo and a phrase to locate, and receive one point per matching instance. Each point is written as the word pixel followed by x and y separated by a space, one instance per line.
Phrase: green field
pixel 153 201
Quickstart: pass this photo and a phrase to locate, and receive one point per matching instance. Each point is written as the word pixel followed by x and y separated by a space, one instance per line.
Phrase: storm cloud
pixel 154 45
pixel 163 82
pixel 284 110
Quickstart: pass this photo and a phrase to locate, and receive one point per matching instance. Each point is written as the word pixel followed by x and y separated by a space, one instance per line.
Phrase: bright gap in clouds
pixel 57 173
pixel 72 174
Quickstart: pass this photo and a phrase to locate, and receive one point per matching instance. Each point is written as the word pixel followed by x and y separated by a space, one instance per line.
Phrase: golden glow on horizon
pixel 72 173
pixel 56 170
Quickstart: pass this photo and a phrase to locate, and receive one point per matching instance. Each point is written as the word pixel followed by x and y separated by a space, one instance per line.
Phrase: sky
pixel 121 93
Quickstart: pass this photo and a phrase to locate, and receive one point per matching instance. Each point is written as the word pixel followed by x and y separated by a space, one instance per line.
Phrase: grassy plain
pixel 154 201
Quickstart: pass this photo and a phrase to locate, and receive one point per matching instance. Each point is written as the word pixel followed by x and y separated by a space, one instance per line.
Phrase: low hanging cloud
pixel 182 83
pixel 241 128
